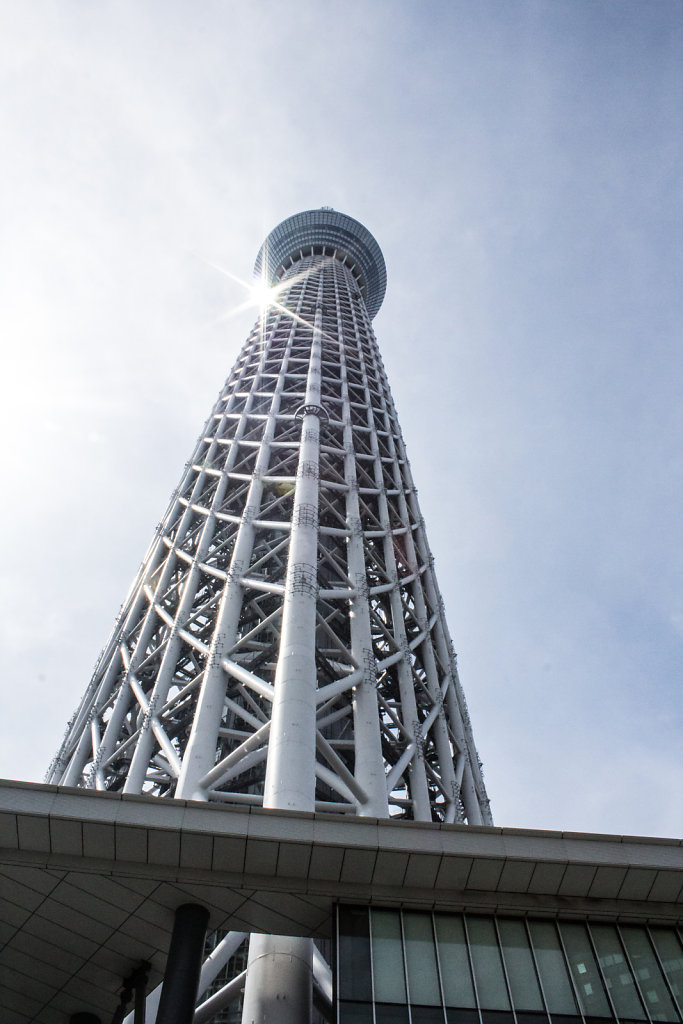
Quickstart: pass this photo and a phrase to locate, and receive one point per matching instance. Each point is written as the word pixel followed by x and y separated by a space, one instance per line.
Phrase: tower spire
pixel 285 643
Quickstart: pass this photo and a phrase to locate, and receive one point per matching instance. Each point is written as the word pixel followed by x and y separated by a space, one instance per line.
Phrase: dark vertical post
pixel 139 979
pixel 181 978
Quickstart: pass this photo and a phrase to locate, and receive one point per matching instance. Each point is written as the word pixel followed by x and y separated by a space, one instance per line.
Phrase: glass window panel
pixel 423 977
pixel 462 1016
pixel 391 1013
pixel 427 1015
pixel 355 1013
pixel 455 966
pixel 587 980
pixel 488 966
pixel 354 954
pixel 531 1017
pixel 498 1017
pixel 671 954
pixel 387 957
pixel 552 968
pixel 519 962
pixel 644 963
pixel 617 973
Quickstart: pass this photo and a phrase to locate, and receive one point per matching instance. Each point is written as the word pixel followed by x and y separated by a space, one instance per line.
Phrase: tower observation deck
pixel 284 643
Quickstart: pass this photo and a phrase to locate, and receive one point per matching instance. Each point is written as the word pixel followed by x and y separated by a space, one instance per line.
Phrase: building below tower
pixel 427 922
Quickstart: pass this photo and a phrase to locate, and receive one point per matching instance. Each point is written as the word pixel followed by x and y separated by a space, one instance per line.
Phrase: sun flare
pixel 262 295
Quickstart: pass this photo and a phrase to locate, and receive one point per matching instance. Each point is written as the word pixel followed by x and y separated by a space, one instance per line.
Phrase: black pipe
pixel 183 965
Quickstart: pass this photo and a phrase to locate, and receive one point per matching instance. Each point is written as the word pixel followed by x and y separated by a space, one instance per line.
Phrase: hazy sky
pixel 519 162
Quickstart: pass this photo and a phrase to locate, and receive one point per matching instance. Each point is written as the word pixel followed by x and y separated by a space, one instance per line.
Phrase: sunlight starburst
pixel 260 295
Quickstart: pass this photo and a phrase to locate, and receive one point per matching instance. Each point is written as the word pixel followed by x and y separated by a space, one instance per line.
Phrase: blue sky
pixel 520 165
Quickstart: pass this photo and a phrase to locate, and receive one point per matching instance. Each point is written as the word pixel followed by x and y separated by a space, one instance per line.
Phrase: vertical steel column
pixel 279 983
pixel 183 966
pixel 290 771
pixel 369 764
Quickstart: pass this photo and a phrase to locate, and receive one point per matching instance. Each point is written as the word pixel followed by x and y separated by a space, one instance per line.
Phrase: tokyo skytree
pixel 284 643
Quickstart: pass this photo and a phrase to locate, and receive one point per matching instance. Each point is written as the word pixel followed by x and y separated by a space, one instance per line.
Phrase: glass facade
pixel 410 967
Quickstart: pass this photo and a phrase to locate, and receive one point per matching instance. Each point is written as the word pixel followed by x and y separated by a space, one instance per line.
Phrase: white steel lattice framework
pixel 285 643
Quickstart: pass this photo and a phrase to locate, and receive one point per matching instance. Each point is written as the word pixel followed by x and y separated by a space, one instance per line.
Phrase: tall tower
pixel 284 643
